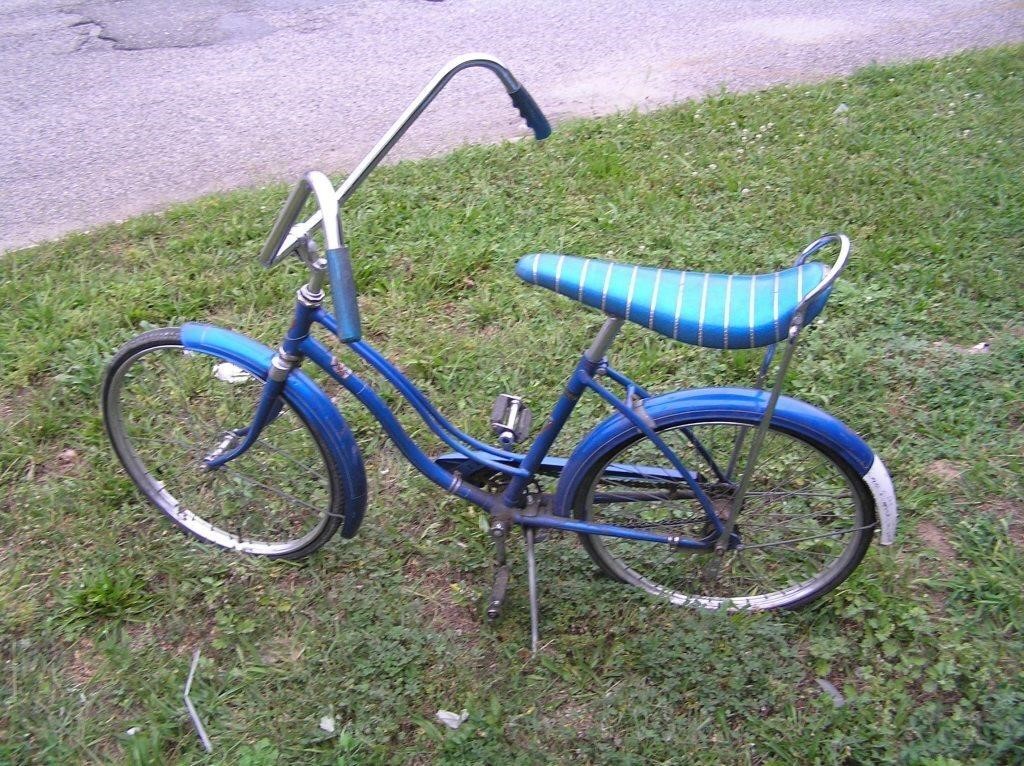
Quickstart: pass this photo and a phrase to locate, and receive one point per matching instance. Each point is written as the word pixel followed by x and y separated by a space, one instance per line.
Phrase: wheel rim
pixel 804 524
pixel 168 407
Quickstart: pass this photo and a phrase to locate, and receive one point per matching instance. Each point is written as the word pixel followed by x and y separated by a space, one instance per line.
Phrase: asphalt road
pixel 110 109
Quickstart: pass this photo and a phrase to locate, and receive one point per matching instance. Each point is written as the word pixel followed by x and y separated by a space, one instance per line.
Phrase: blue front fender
pixel 747 405
pixel 308 400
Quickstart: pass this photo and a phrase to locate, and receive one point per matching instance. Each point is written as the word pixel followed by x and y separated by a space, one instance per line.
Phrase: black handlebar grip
pixel 343 294
pixel 528 108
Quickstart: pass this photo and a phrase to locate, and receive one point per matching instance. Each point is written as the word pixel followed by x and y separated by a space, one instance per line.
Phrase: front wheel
pixel 166 408
pixel 805 524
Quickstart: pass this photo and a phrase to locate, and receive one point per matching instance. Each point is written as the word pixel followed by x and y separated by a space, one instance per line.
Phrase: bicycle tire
pixel 166 407
pixel 795 546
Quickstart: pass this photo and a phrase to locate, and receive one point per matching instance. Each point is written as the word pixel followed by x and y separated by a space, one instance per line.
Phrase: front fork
pixel 309 298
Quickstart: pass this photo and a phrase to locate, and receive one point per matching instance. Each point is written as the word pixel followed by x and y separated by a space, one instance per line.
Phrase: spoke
pixel 183 389
pixel 268 488
pixel 268 468
pixel 813 485
pixel 767 499
pixel 299 427
pixel 158 468
pixel 626 497
pixel 292 458
pixel 791 525
pixel 750 567
pixel 667 553
pixel 808 561
pixel 170 442
pixel 785 543
pixel 196 478
pixel 701 449
pixel 800 493
pixel 759 520
pixel 765 463
pixel 201 478
pixel 632 523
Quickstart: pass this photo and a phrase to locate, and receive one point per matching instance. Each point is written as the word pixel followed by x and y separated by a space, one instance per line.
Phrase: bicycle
pixel 736 498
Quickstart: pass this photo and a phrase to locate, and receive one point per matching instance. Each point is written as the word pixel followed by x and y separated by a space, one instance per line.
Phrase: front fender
pixel 747 405
pixel 306 397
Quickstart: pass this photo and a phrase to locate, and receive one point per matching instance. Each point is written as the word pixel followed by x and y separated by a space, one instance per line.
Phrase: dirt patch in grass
pixel 171 639
pixel 283 649
pixel 944 470
pixel 62 462
pixel 140 635
pixel 576 717
pixel 433 584
pixel 935 538
pixel 15 404
pixel 84 663
pixel 1013 512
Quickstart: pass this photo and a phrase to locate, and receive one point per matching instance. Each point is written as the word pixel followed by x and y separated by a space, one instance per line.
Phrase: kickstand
pixel 531 579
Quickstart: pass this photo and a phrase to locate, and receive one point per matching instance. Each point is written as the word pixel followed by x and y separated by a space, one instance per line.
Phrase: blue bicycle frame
pixel 521 468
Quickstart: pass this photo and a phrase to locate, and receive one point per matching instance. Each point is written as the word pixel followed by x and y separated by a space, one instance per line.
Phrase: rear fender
pixel 748 405
pixel 306 397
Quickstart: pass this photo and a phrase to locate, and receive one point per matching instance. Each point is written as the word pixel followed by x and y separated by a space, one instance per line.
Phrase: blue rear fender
pixel 747 405
pixel 307 398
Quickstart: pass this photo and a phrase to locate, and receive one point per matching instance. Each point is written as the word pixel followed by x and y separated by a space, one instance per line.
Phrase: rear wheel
pixel 166 408
pixel 805 523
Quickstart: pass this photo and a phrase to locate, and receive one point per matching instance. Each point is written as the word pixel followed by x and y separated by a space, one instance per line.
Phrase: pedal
pixel 498 592
pixel 511 420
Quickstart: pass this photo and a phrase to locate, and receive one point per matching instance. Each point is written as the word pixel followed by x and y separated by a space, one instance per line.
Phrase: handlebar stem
pixel 322 188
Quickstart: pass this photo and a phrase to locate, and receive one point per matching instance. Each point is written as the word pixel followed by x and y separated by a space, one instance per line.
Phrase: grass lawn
pixel 102 602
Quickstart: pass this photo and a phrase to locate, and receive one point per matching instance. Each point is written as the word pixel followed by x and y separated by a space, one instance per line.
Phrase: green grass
pixel 102 603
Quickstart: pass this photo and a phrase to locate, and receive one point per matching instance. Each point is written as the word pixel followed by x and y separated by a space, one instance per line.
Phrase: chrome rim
pixel 169 407
pixel 802 526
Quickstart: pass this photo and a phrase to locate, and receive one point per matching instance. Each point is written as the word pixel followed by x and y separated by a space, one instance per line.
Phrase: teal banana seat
pixel 711 310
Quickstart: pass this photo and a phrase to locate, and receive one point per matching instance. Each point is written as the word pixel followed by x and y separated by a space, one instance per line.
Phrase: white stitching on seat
pixel 607 282
pixel 558 271
pixel 725 319
pixel 632 287
pixel 654 299
pixel 583 279
pixel 753 300
pixel 775 298
pixel 679 304
pixel 536 263
pixel 703 308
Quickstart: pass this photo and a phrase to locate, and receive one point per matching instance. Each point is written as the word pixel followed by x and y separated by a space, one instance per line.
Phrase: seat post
pixel 605 338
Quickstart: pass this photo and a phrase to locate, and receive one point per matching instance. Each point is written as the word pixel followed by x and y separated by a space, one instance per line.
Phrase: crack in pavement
pixel 91 31
pixel 148 25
